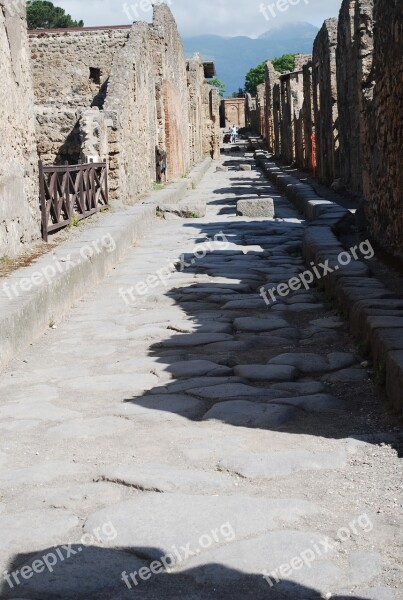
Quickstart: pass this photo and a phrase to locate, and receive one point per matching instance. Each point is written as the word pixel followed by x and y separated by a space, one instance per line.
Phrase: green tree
pixel 239 94
pixel 285 63
pixel 218 84
pixel 255 77
pixel 43 14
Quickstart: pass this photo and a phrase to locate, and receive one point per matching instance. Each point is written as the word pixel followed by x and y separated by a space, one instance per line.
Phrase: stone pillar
pixel 19 199
pixel 277 117
pixel 272 78
pixel 307 114
pixel 325 102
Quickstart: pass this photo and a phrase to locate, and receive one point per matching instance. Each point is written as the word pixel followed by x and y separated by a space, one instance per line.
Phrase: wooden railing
pixel 71 192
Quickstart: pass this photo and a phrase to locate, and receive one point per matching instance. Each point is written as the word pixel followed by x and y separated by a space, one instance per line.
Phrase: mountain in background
pixel 234 56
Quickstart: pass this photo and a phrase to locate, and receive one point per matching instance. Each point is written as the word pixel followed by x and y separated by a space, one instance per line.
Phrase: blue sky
pixel 196 17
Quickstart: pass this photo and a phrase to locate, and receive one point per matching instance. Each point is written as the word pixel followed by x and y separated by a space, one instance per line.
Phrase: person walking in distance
pixel 234 134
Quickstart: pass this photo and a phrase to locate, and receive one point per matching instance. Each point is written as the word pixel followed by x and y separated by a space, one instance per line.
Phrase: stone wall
pixel 383 127
pixel 342 112
pixel 325 102
pixel 123 93
pixel 19 203
pixel 233 112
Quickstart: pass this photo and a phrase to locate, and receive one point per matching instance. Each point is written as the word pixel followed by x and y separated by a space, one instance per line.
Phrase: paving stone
pixel 235 390
pixel 373 593
pixel 87 496
pixel 364 567
pixel 165 478
pixel 34 410
pixel 328 323
pixel 251 414
pixel 340 360
pixel 305 387
pixel 196 368
pixel 153 523
pixel 314 403
pixel 182 385
pixel 195 339
pixel 116 383
pixel 179 404
pixel 266 372
pixel 279 464
pixel 347 375
pixel 83 575
pixel 306 362
pixel 233 562
pixel 33 529
pixel 89 429
pixel 259 324
pixel 41 473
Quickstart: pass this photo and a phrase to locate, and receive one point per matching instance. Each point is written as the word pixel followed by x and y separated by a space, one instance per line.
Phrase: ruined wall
pixel 354 46
pixel 211 117
pixel 234 112
pixel 277 118
pixel 260 109
pixel 19 202
pixel 383 129
pixel 72 67
pixel 325 102
pixel 118 93
pixel 174 86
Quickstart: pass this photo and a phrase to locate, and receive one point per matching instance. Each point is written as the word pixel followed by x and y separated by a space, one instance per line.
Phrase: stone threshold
pixel 374 313
pixel 33 298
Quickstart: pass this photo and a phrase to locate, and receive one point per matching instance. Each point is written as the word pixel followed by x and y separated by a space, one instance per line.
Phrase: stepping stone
pixel 168 479
pixel 306 387
pixel 280 464
pixel 235 390
pixel 347 376
pixel 195 368
pixel 154 523
pixel 251 414
pixel 195 339
pixel 266 372
pixel 178 404
pixel 256 208
pixel 259 324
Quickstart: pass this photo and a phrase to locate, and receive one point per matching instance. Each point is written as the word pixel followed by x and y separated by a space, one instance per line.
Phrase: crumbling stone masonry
pixel 325 102
pixel 124 92
pixel 382 129
pixel 19 214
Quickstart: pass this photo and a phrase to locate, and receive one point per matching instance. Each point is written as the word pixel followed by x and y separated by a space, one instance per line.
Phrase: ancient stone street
pixel 177 437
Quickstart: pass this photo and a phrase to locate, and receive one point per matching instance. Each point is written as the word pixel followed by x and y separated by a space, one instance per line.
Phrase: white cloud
pixel 221 17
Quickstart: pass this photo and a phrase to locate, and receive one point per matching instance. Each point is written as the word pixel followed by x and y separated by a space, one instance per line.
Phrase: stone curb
pixel 25 314
pixel 375 314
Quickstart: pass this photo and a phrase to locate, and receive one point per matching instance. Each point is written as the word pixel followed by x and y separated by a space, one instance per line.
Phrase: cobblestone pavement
pixel 175 437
